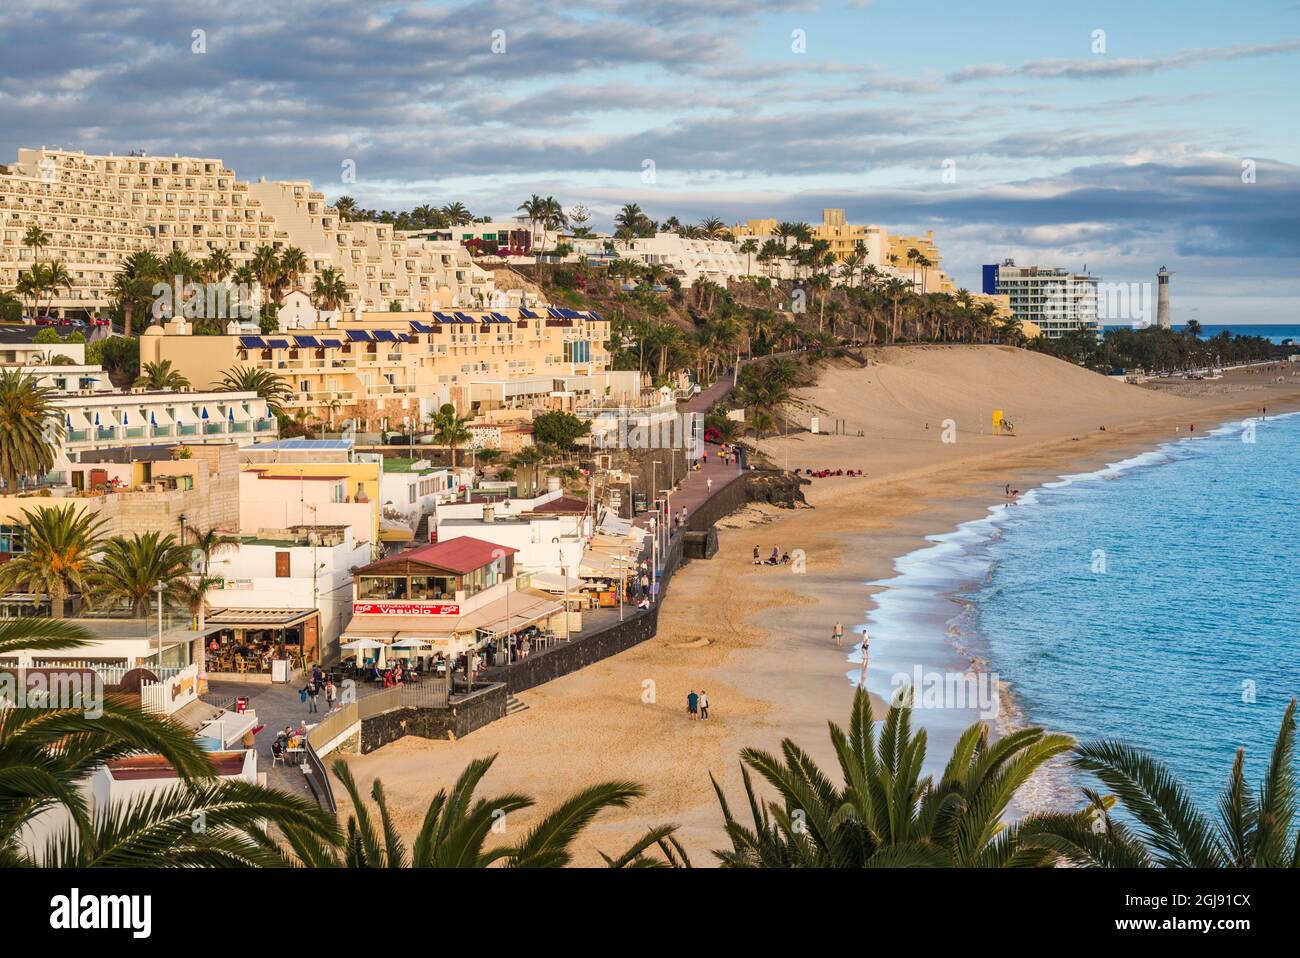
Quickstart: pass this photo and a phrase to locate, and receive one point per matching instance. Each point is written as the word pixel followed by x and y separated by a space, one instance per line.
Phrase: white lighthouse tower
pixel 1162 298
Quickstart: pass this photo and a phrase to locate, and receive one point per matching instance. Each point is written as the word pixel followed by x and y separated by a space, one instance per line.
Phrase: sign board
pixel 392 608
pixel 814 426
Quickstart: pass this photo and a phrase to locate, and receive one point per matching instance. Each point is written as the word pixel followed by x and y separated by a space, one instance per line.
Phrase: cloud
pixel 1101 66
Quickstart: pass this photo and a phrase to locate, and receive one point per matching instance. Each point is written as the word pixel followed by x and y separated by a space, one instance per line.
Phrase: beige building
pixel 386 367
pixel 98 209
pixel 930 279
pixel 844 238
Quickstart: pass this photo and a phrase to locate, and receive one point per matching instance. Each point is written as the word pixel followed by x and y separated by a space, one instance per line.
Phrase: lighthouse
pixel 1162 298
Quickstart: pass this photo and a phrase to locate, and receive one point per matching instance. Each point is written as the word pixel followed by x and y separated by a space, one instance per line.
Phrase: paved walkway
pixel 693 490
pixel 276 707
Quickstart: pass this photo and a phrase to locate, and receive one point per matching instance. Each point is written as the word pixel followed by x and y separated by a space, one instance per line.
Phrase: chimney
pixel 489 513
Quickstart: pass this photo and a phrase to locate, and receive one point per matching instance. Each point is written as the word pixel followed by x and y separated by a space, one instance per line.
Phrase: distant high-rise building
pixel 1055 300
pixel 1162 298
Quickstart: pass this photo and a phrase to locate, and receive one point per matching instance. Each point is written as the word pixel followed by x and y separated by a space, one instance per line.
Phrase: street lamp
pixel 159 589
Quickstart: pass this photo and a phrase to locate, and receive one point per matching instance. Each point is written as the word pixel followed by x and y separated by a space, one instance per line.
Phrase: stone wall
pixel 464 714
pixel 564 658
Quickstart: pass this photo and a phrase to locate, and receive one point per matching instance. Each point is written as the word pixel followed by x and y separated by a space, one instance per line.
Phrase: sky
pixel 1116 136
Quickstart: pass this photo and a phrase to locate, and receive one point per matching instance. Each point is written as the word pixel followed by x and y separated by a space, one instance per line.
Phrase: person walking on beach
pixel 692 704
pixel 708 485
pixel 838 633
pixel 704 704
pixel 866 640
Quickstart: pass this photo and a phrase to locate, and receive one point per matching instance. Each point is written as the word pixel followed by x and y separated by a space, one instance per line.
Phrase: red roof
pixel 564 504
pixel 135 767
pixel 461 555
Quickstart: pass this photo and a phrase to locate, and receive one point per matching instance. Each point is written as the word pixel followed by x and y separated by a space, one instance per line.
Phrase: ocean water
pixel 1275 333
pixel 1155 600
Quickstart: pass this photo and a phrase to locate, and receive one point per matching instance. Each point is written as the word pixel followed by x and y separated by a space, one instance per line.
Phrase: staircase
pixel 513 705
pixel 422 530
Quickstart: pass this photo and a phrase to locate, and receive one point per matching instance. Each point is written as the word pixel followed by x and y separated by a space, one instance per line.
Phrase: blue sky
pixel 1123 160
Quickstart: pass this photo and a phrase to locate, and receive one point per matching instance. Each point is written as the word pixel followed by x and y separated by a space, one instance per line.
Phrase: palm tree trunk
pixel 126 319
pixel 56 600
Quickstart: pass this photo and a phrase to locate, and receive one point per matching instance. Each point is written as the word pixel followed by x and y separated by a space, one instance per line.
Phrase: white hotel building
pixel 1056 300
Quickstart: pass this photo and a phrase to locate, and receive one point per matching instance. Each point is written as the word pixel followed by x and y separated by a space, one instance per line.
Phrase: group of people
pixel 697 704
pixel 317 684
pixel 776 558
pixel 288 738
pixel 826 473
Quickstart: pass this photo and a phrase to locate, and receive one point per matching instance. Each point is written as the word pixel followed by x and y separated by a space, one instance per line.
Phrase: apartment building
pixel 1054 300
pixel 844 237
pixel 98 209
pixel 928 279
pixel 96 417
pixel 384 369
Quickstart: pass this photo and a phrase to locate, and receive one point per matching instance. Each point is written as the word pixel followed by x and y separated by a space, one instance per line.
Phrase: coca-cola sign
pixel 402 608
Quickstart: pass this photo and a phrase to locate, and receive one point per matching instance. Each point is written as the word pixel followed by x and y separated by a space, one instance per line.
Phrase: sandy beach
pixel 758 639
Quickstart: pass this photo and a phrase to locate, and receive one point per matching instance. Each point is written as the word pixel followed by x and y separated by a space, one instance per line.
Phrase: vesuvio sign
pixel 391 608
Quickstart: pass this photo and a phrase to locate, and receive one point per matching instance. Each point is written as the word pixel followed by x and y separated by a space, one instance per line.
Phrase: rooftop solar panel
pixel 358 335
pixel 252 342
pixel 331 343
pixel 278 343
pixel 385 336
pixel 527 313
pixel 310 342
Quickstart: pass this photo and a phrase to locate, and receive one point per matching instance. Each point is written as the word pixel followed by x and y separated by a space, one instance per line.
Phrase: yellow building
pixel 844 238
pixel 385 368
pixel 929 279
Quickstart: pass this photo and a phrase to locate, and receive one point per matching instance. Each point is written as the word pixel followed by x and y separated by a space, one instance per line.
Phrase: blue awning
pixel 277 343
pixel 406 337
pixel 331 344
pixel 358 335
pixel 309 342
pixel 252 342
pixel 385 336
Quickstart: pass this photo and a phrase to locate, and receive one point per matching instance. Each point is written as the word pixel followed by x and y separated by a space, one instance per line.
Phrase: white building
pixel 291 570
pixel 550 533
pixel 1055 300
pixel 96 418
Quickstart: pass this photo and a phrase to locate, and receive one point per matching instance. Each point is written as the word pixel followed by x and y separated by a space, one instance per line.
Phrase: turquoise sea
pixel 1154 600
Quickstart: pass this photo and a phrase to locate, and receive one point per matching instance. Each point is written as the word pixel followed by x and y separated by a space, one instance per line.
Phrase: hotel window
pixel 13 539
pixel 282 565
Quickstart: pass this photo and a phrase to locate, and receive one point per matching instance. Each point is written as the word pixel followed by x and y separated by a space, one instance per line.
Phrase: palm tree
pixel 1165 828
pixel 266 268
pixel 36 239
pixel 267 383
pixel 749 247
pixel 330 289
pixel 48 751
pixel 30 427
pixel 293 263
pixel 217 266
pixel 56 557
pixel 457 214
pixel 346 207
pixel 43 279
pixel 450 430
pixel 162 376
pixel 886 814
pixel 129 569
pixel 456 828
pixel 133 284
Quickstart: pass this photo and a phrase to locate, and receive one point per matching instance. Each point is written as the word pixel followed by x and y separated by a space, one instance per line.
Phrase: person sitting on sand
pixel 775 557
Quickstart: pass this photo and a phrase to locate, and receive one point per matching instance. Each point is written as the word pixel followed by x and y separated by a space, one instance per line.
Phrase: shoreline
pixel 757 638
